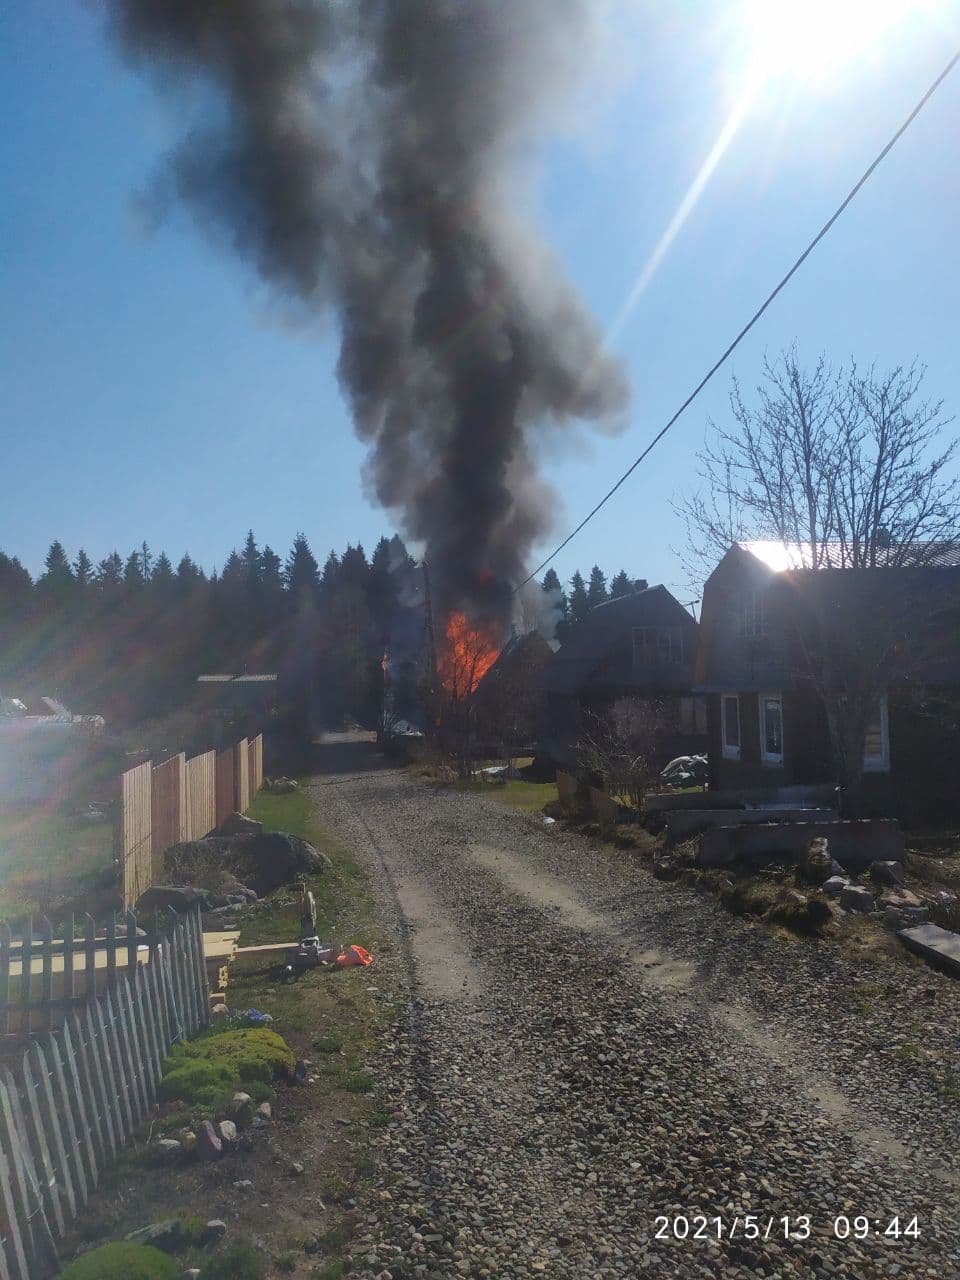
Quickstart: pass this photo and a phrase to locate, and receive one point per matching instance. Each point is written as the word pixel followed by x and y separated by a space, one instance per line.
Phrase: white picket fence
pixel 78 1094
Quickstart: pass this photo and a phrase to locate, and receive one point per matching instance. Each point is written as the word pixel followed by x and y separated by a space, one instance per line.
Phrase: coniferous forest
pixel 127 638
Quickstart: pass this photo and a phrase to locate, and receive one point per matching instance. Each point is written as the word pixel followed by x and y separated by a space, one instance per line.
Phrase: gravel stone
pixel 579 1048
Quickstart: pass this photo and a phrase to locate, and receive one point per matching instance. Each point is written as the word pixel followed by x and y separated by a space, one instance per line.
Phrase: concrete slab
pixel 682 823
pixel 933 943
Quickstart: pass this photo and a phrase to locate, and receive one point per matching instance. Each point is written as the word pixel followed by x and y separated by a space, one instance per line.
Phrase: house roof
pixel 783 556
pixel 598 651
pixel 916 608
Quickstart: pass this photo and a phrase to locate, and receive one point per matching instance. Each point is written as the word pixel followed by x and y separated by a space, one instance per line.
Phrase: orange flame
pixel 467 656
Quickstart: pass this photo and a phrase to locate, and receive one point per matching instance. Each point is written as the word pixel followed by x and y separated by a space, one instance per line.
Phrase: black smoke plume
pixel 366 156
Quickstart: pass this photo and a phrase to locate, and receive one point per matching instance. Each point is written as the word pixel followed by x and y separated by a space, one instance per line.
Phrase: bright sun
pixel 814 40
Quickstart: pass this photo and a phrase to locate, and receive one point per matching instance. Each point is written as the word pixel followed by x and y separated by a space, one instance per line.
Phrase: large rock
pixel 816 863
pixel 238 824
pixel 835 885
pixel 209 1143
pixel 268 859
pixel 276 857
pixel 180 897
pixel 856 898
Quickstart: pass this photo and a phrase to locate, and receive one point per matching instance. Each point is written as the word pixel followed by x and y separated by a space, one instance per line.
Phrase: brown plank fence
pixel 136 831
pixel 168 808
pixel 178 800
pixel 241 780
pixel 74 1095
pixel 255 758
pixel 226 784
pixel 201 791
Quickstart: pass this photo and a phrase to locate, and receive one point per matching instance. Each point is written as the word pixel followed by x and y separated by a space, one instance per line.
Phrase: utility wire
pixel 755 317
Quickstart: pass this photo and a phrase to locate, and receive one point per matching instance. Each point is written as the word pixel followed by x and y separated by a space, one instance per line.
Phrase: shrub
pixel 122 1261
pixel 236 1262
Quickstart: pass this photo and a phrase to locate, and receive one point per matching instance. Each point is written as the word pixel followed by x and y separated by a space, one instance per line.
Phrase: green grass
pixel 47 856
pixel 531 797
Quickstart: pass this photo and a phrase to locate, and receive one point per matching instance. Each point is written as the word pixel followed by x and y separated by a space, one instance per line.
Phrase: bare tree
pixel 620 747
pixel 843 463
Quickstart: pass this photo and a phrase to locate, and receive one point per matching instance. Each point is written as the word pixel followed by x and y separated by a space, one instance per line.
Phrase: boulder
pixel 214 1230
pixel 238 824
pixel 265 1111
pixel 276 857
pixel 835 885
pixel 887 872
pixel 857 898
pixel 816 863
pixel 209 1143
pixel 904 917
pixel 180 897
pixel 228 1133
pixel 267 858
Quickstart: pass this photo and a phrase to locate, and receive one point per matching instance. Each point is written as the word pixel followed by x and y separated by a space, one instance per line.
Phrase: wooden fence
pixel 180 799
pixel 73 1097
pixel 200 785
pixel 136 833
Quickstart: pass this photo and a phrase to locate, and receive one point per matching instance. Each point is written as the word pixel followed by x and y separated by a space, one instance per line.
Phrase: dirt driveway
pixel 599 1075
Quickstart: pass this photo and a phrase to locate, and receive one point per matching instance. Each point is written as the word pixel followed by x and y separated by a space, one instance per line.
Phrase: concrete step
pixel 933 943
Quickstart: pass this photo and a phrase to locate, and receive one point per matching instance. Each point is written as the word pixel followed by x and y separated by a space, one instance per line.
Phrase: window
pixel 730 725
pixel 656 646
pixel 876 742
pixel 771 728
pixel 693 715
pixel 753 621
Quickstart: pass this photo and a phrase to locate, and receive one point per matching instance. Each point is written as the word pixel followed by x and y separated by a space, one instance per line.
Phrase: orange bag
pixel 354 955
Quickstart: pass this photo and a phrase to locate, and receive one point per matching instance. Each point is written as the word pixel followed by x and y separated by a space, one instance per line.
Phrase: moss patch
pixel 205 1073
pixel 122 1261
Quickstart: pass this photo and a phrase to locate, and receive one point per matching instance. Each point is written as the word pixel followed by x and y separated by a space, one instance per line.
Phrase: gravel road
pixel 587 1054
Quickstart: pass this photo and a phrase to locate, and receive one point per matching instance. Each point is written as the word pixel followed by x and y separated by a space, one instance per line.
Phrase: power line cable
pixel 754 318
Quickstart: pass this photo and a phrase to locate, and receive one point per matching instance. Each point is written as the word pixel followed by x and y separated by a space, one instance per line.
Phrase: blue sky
pixel 150 389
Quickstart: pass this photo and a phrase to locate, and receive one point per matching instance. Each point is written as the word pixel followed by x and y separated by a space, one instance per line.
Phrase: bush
pixel 122 1261
pixel 237 1262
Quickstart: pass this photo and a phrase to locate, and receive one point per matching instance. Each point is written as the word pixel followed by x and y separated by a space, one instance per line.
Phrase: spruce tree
pixel 597 590
pixel 83 569
pixel 579 604
pixel 110 572
pixel 621 585
pixel 301 572
pixel 252 561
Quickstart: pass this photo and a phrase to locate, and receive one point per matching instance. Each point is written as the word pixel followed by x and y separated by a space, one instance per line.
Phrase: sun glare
pixel 814 41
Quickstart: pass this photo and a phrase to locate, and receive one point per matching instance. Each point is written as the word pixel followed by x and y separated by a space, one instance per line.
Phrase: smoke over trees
pixel 365 158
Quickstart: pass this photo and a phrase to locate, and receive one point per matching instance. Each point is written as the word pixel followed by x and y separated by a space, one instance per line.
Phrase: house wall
pixel 920 789
pixel 923 786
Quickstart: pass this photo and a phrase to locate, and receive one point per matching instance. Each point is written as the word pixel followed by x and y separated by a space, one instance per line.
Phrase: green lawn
pixel 531 797
pixel 46 857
